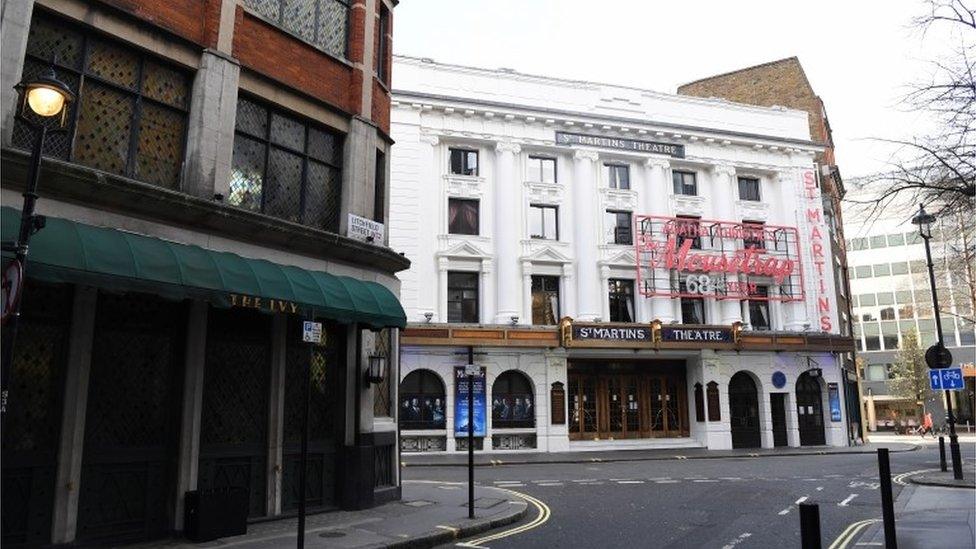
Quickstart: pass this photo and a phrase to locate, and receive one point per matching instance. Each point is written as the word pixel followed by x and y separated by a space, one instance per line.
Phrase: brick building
pixel 221 160
pixel 783 83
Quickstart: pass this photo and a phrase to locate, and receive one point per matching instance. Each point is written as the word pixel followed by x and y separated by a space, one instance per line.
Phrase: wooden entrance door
pixel 777 403
pixel 744 411
pixel 809 409
pixel 627 405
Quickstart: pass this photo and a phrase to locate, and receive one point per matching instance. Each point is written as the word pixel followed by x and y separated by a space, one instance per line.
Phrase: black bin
pixel 216 514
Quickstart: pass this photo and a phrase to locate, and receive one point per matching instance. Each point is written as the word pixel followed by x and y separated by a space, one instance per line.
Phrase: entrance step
pixel 633 444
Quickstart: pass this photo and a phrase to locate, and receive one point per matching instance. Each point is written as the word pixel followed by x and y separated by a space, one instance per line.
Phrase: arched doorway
pixel 512 401
pixel 809 410
pixel 744 411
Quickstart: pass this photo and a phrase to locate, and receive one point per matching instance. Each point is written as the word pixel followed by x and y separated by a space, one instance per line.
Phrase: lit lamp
pixel 40 99
pixel 377 369
pixel 924 220
pixel 45 96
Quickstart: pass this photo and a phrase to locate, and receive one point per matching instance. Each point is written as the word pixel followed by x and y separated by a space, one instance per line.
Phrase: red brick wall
pixel 381 107
pixel 194 20
pixel 263 48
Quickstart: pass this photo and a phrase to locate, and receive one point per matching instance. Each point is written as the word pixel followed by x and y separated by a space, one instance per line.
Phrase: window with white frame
pixel 544 222
pixel 618 176
pixel 541 169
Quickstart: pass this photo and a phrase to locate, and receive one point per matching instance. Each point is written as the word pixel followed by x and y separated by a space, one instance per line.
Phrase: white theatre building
pixel 629 268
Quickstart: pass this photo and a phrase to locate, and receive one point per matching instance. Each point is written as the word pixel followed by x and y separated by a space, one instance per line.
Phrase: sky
pixel 859 55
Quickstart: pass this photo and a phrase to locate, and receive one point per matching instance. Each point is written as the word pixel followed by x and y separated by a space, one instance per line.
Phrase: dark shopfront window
pixel 462 297
pixel 759 309
pixel 749 189
pixel 685 183
pixel 545 300
pixel 285 167
pixel 692 308
pixel 462 216
pixel 464 162
pixel 619 228
pixel 422 401
pixel 621 300
pixel 512 401
pixel 131 111
pixel 322 23
pixel 618 176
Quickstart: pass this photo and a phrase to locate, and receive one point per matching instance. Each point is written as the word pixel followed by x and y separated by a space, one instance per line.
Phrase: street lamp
pixel 43 107
pixel 924 221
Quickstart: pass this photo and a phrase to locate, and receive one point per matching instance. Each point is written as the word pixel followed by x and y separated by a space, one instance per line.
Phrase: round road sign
pixel 938 356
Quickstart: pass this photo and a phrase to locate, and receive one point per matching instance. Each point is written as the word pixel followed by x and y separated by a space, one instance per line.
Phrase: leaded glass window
pixel 131 112
pixel 322 23
pixel 285 166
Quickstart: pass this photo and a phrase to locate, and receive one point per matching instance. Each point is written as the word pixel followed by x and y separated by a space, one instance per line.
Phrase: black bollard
pixel 887 502
pixel 809 526
pixel 942 459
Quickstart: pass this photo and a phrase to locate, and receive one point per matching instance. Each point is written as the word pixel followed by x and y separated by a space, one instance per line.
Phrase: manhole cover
pixel 332 534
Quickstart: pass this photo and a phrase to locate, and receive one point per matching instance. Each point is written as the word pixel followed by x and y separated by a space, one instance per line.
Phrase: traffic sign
pixel 948 379
pixel 938 356
pixel 311 332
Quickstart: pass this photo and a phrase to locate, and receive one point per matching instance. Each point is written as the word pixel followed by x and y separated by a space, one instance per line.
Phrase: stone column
pixel 585 234
pixel 604 293
pixel 187 472
pixel 656 203
pixel 567 295
pixel 64 517
pixel 506 238
pixel 210 127
pixel 722 200
pixel 276 412
pixel 441 315
pixel 526 296
pixel 487 314
pixel 14 27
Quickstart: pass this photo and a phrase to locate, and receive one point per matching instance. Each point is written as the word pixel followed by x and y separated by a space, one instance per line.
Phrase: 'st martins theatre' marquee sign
pixel 669 149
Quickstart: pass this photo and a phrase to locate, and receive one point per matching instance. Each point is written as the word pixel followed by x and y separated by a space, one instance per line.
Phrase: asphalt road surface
pixel 722 503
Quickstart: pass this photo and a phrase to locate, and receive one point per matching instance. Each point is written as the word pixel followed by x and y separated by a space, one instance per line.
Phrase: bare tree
pixel 938 170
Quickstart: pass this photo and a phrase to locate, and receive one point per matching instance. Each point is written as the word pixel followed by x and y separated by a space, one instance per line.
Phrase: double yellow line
pixel 539 520
pixel 848 534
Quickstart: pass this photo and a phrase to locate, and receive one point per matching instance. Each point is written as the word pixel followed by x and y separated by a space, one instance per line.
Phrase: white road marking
pixel 704 480
pixel 630 482
pixel 549 483
pixel 585 480
pixel 659 478
pixel 820 488
pixel 730 478
pixel 738 539
pixel 847 501
pixel 666 481
pixel 547 480
pixel 512 485
pixel 868 485
pixel 505 481
pixel 785 511
pixel 801 500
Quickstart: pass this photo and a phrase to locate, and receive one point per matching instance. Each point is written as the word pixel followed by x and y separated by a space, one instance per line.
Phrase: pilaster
pixel 276 412
pixel 64 517
pixel 526 286
pixel 722 201
pixel 187 472
pixel 506 240
pixel 441 312
pixel 210 127
pixel 14 28
pixel 585 234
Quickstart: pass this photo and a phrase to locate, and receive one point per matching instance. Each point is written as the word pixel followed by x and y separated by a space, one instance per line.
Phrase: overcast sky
pixel 858 54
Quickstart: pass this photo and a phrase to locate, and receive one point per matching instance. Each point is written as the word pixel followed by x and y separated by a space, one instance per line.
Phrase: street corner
pixel 441 514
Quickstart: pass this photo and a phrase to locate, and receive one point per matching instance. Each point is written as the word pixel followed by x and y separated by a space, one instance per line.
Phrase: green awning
pixel 67 251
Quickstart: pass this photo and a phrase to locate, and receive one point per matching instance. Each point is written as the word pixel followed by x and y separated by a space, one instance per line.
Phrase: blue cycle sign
pixel 948 379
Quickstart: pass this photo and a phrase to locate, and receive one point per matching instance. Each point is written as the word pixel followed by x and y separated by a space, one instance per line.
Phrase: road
pixel 722 503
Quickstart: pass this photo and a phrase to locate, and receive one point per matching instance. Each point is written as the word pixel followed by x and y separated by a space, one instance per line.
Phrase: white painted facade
pixel 507 117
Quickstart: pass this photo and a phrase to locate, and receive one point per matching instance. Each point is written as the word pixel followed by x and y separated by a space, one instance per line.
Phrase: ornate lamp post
pixel 43 107
pixel 924 221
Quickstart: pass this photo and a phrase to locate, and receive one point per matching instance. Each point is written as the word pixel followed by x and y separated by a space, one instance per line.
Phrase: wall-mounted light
pixel 428 316
pixel 376 370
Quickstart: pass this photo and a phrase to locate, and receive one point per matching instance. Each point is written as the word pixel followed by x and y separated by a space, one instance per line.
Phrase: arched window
pixel 422 401
pixel 512 401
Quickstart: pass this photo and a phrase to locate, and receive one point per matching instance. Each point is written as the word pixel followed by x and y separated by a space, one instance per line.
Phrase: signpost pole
pixel 887 502
pixel 303 460
pixel 953 439
pixel 470 434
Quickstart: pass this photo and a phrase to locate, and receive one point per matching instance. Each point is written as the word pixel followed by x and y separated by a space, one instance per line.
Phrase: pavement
pixel 609 456
pixel 929 516
pixel 431 513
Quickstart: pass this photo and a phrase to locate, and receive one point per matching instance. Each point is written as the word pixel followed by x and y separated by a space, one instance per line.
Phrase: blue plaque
pixel 779 379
